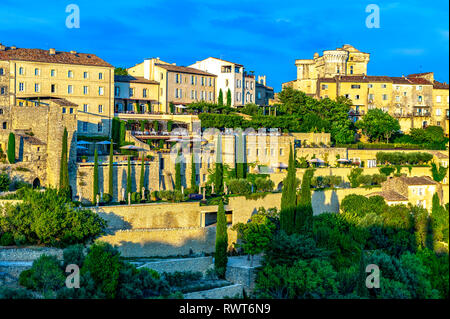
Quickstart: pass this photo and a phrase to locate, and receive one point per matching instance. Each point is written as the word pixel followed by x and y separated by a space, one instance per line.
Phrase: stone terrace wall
pixel 151 216
pixel 201 264
pixel 217 293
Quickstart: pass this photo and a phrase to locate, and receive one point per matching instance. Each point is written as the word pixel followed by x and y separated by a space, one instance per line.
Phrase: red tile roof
pixel 39 55
pixel 133 79
pixel 417 180
pixel 183 69
pixel 390 196
pixel 440 86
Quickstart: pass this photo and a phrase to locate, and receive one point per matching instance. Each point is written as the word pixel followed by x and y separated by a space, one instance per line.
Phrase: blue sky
pixel 265 36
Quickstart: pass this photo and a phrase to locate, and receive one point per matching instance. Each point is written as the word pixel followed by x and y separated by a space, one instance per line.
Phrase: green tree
pixel 95 186
pixel 64 185
pixel 11 148
pixel 304 210
pixel 103 264
pixel 194 186
pixel 353 177
pixel 229 97
pixel 218 182
pixel 120 71
pixel 438 173
pixel 289 197
pixel 141 177
pixel 123 131
pixel 220 99
pixel 45 275
pixel 115 130
pixel 377 124
pixel 129 185
pixel 178 172
pixel 110 170
pixel 220 256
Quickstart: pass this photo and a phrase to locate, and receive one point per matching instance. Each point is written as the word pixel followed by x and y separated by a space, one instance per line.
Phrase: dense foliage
pixel 47 218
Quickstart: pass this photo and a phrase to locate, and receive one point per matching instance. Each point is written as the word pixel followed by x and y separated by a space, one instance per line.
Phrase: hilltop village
pixel 171 164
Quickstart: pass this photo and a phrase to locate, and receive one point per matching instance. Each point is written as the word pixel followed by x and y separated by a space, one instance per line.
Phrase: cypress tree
pixel 122 133
pixel 361 288
pixel 229 97
pixel 304 210
pixel 115 135
pixel 110 170
pixel 194 186
pixel 220 99
pixel 95 186
pixel 218 183
pixel 63 163
pixel 220 257
pixel 141 177
pixel 11 148
pixel 178 172
pixel 129 176
pixel 288 197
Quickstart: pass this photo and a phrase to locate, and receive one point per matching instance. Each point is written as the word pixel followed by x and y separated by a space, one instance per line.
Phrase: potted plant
pixel 84 158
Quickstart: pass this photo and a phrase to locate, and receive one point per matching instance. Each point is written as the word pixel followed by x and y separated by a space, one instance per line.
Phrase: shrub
pixel 180 279
pixel 44 275
pixel 107 198
pixel 15 293
pixel 239 186
pixel 135 197
pixel 353 176
pixel 74 255
pixel 5 181
pixel 264 184
pixel 387 170
pixel 365 180
pixel 7 239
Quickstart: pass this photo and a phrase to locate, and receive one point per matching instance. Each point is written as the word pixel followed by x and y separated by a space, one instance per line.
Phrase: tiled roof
pixel 439 85
pixel 375 78
pixel 441 155
pixel 39 55
pixel 417 180
pixel 30 139
pixel 183 69
pixel 226 61
pixel 400 80
pixel 417 80
pixel 133 79
pixel 419 74
pixel 390 196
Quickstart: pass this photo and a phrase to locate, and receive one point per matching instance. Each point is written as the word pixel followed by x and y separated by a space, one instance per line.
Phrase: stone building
pixel 178 85
pixel 80 78
pixel 417 100
pixel 417 190
pixel 263 92
pixel 38 126
pixel 135 95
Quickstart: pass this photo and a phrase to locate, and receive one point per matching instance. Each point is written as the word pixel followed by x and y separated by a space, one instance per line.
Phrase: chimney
pixel 52 51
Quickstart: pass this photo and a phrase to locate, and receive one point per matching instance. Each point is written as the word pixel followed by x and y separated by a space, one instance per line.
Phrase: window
pixel 131 92
pixel 404 93
pixel 5 125
pixel 210 96
pixel 347 96
pixel 37 71
pixel 2 72
pixel 397 88
pixel 70 89
pixel 192 94
pixel 37 87
pixel 100 76
pixel 116 91
pixel 337 70
pixel 324 86
pixel 370 86
pixel 144 92
pixel 70 74
pixel 438 99
pixel 2 90
pixel 281 151
pixel 419 88
pixel 177 78
pixel 85 90
pixel 100 90
pixel 203 81
pixel 63 110
pixel 85 75
pixel 357 97
pixel 85 108
pixel 356 86
pixel 351 69
pixel 21 87
pixel 100 108
pixel 100 127
pixel 71 110
pixel 210 81
pixel 192 80
pixel 383 86
pixel 397 98
pixel 438 112
pixel 419 98
pixel 53 88
pixel 53 73
pixel 385 97
pixel 371 97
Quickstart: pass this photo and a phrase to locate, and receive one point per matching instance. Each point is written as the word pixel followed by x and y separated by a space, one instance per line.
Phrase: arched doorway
pixel 36 183
pixel 280 186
